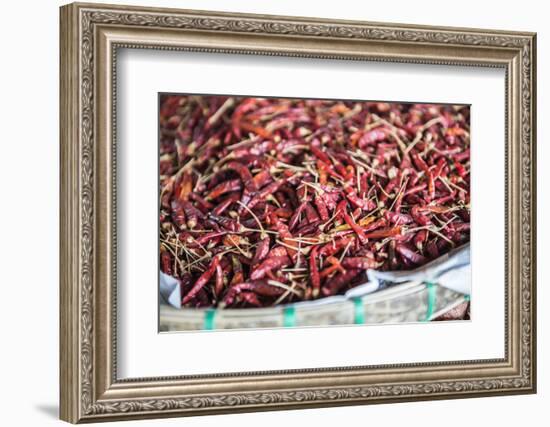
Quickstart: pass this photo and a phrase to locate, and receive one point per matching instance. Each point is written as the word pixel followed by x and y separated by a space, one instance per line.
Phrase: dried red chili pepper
pixel 226 203
pixel 336 246
pixel 366 205
pixel 192 214
pixel 229 224
pixel 385 232
pixel 219 280
pixel 165 262
pixel 340 281
pixel 362 263
pixel 244 173
pixel 398 218
pixel 314 272
pixel 372 137
pixel 419 217
pixel 356 228
pixel 204 205
pixel 268 265
pixel 311 213
pixel 409 254
pixel 224 187
pixel 334 266
pixel 296 216
pixel 250 298
pixel 261 251
pixel 201 281
pixel 260 287
pixel 178 214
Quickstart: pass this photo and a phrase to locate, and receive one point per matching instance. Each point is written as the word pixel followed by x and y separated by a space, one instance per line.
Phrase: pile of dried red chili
pixel 269 201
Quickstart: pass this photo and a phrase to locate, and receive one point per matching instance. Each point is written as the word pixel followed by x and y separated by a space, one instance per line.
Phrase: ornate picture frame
pixel 90 37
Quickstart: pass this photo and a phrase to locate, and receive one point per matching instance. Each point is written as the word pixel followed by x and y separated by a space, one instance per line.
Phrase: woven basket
pixel 406 302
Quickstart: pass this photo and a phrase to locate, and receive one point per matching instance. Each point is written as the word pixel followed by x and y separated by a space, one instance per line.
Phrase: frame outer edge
pixel 533 207
pixel 305 19
pixel 69 355
pixel 77 302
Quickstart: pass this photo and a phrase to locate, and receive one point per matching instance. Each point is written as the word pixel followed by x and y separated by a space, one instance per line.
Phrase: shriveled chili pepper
pixel 202 240
pixel 202 280
pixel 307 229
pixel 373 225
pixel 227 223
pixel 334 266
pixel 224 187
pixel 244 173
pixel 286 236
pixel 201 299
pixel 266 191
pixel 165 262
pixel 460 169
pixel 280 212
pixel 410 254
pixel 385 192
pixel 261 178
pixel 420 238
pixel 399 199
pixel 260 287
pixel 340 281
pixel 321 155
pixel 268 265
pixel 219 280
pixel 432 249
pixel 445 199
pixel 398 218
pixel 234 240
pixel 362 263
pixel 354 199
pixel 314 272
pixel 420 163
pixel 372 137
pixel 440 166
pixel 184 186
pixel 237 268
pixel 261 251
pixel 431 185
pixel 336 246
pixel 356 228
pixel 415 189
pixel 192 214
pixel 250 298
pixel 384 232
pixel 203 204
pixel 166 194
pixel 178 214
pixel 311 213
pixel 419 217
pixel 226 203
pixel 296 215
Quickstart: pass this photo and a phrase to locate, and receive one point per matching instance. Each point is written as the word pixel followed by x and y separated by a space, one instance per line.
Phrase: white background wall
pixel 29 171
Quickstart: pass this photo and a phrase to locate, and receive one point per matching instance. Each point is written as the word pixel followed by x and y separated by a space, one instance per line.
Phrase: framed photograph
pixel 281 212
pixel 267 212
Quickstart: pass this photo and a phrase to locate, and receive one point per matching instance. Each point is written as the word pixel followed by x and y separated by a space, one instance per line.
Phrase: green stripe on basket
pixel 359 311
pixel 210 319
pixel 467 297
pixel 289 317
pixel 431 300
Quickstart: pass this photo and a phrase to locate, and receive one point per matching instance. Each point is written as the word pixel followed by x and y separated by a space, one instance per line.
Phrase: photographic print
pixel 317 233
pixel 279 212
